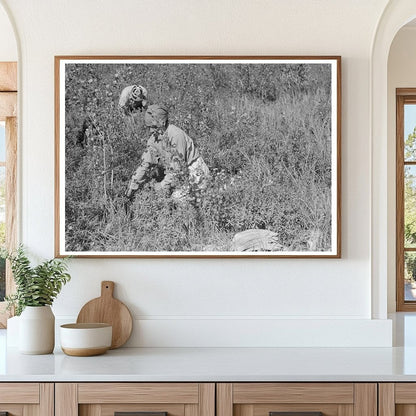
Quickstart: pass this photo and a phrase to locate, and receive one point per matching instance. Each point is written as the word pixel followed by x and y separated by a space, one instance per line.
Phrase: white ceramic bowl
pixel 83 340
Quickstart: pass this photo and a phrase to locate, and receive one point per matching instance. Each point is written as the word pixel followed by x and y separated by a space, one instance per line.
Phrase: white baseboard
pixel 189 332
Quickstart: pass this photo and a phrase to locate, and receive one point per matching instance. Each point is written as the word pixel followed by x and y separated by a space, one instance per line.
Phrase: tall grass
pixel 263 130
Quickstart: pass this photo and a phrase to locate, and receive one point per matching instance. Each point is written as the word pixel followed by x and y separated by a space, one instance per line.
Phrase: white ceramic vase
pixel 37 330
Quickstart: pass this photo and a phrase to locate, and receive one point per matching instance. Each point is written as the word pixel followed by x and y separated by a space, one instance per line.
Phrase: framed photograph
pixel 198 156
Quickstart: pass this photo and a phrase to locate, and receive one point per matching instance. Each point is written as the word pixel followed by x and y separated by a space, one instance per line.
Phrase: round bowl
pixel 83 340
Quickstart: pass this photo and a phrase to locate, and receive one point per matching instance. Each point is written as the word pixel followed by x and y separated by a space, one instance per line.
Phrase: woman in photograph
pixel 172 154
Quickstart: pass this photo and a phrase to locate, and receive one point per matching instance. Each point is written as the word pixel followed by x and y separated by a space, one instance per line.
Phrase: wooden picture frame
pixel 198 156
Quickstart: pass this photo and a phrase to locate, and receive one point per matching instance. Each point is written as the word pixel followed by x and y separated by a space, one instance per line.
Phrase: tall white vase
pixel 37 330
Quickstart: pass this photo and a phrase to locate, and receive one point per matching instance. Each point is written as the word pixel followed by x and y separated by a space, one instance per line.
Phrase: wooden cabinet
pixel 264 399
pixel 208 399
pixel 107 399
pixel 27 399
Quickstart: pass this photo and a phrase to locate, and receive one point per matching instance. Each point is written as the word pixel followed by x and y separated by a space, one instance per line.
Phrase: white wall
pixel 207 301
pixel 8 47
pixel 401 74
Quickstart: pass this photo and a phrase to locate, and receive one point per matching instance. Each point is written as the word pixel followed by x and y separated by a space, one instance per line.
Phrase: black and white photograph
pixel 197 157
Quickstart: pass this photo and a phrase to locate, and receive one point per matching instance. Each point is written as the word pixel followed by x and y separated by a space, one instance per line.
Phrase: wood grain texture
pixel 138 393
pixel 224 401
pixel 207 399
pixel 171 409
pixel 66 399
pixel 110 409
pixel 400 305
pixel 47 399
pixel 25 393
pixel 8 105
pixel 111 311
pixel 339 159
pixel 245 410
pixel 346 410
pixel 263 409
pixel 8 76
pixel 365 399
pixel 190 410
pixel 405 393
pixel 405 91
pixel 237 409
pixel 90 410
pixel 386 399
pixel 340 393
pixel 31 410
pixel 405 410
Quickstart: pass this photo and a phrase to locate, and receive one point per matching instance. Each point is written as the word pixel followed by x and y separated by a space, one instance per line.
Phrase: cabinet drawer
pixel 297 399
pixel 148 399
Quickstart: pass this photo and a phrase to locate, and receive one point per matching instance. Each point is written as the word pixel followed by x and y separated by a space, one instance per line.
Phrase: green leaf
pixel 35 286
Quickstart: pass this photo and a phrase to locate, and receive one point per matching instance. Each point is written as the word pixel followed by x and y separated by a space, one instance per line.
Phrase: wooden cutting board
pixel 108 310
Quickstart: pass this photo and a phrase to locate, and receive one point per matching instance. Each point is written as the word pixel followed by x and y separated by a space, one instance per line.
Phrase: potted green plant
pixel 36 289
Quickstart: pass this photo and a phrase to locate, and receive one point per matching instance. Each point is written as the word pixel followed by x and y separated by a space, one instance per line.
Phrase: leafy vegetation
pixel 410 206
pixel 263 130
pixel 35 286
pixel 410 192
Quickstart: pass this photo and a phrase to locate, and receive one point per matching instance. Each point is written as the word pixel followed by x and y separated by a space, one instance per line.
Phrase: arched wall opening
pixel 396 15
pixel 401 74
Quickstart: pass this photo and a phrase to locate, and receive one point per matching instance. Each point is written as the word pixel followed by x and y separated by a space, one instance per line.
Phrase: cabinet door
pixel 26 399
pixel 297 399
pixel 142 399
pixel 397 399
